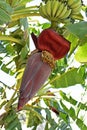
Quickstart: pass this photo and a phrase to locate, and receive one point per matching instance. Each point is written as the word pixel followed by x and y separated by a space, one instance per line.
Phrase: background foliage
pixel 51 105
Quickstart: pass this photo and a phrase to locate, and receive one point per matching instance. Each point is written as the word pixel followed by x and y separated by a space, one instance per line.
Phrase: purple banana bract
pixel 35 74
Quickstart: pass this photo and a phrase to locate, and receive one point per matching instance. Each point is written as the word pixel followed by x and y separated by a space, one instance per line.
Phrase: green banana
pixel 42 11
pixel 78 16
pixel 60 9
pixel 67 14
pixel 70 2
pixel 63 12
pixel 76 10
pixel 76 4
pixel 55 6
pixel 48 8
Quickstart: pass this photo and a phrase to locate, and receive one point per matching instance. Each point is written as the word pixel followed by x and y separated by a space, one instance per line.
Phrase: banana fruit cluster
pixel 75 6
pixel 55 10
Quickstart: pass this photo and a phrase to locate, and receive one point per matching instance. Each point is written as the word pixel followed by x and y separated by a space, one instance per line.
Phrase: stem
pixel 47 97
pixel 23 15
pixel 54 25
pixel 7 107
pixel 26 10
pixel 9 38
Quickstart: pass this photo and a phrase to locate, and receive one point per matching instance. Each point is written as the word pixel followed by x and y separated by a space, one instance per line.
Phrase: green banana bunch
pixel 59 10
pixel 63 12
pixel 75 6
pixel 54 10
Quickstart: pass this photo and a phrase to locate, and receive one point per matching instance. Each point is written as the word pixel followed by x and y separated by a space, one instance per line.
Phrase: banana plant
pixel 48 70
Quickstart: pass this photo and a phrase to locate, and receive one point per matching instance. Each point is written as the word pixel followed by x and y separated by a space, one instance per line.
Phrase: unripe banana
pixel 70 2
pixel 77 16
pixel 48 8
pixel 67 14
pixel 43 12
pixel 63 12
pixel 76 10
pixel 55 6
pixel 60 9
pixel 76 4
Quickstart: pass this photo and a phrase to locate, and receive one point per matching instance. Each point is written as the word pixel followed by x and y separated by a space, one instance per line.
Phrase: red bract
pixel 52 42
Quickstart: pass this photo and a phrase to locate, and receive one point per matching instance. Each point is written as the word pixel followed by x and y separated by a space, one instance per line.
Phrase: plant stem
pixel 26 10
pixel 23 15
pixel 9 38
pixel 54 25
pixel 7 107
